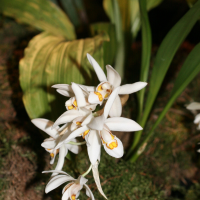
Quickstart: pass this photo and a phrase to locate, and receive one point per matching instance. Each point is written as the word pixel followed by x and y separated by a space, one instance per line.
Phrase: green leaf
pixel 113 10
pixel 166 53
pixel 75 10
pixel 130 13
pixel 189 70
pixel 146 51
pixel 42 14
pixel 109 47
pixel 49 60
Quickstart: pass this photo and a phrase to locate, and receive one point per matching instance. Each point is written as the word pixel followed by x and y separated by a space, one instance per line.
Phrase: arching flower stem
pixel 88 171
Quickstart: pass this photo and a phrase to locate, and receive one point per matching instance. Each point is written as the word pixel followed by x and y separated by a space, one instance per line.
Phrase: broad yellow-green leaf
pixel 109 47
pixel 49 60
pixel 189 70
pixel 32 75
pixel 42 14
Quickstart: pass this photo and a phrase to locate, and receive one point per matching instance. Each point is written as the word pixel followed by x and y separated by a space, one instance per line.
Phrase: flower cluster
pixel 81 120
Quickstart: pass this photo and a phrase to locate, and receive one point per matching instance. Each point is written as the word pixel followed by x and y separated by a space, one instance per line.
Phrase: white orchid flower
pixel 195 106
pixel 72 190
pixel 79 96
pixel 100 132
pixel 50 143
pixel 112 145
pixel 108 84
pixel 78 127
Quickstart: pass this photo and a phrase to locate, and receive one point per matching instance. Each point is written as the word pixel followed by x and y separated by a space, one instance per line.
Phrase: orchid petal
pixel 66 87
pixel 96 179
pixel 97 123
pixel 76 133
pixel 73 148
pixel 49 144
pixel 193 106
pixel 197 119
pixel 89 192
pixel 57 171
pixel 94 146
pixel 94 99
pixel 46 126
pixel 56 183
pixel 62 153
pixel 54 156
pixel 66 195
pixel 87 120
pixel 131 88
pixel 65 93
pixel 63 127
pixel 117 152
pixel 87 88
pixel 67 116
pixel 116 109
pixel 99 72
pixel 113 76
pixel 82 180
pixel 110 101
pixel 122 124
pixel 80 98
pixel 56 177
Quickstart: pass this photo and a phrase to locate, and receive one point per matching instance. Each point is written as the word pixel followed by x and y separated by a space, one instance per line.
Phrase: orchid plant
pixel 81 120
pixel 56 57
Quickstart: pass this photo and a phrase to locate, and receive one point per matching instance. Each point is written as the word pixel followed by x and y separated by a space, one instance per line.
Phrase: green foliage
pixel 189 70
pixel 43 15
pixel 108 47
pixel 166 53
pixel 163 60
pixel 146 52
pixel 130 13
pixel 51 60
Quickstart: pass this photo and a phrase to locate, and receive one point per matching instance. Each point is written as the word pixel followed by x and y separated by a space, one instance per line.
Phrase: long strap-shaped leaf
pixel 146 51
pixel 43 14
pixel 164 57
pixel 189 70
pixel 166 53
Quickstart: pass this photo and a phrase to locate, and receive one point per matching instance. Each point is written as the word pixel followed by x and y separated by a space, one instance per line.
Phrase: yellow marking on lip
pixel 78 123
pixel 85 133
pixel 106 95
pixel 99 88
pixel 99 96
pixel 52 155
pixel 73 197
pixel 112 145
pixel 70 107
pixel 75 103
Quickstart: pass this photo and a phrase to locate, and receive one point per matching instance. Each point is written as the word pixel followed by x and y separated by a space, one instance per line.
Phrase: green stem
pixel 87 172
